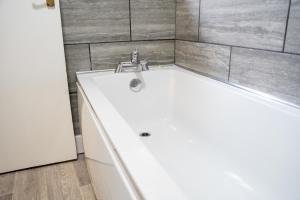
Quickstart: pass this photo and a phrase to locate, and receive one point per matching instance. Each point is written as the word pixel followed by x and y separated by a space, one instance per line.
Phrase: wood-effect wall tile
pixel 187 19
pixel 95 21
pixel 109 55
pixel 152 19
pixel 292 43
pixel 274 73
pixel 77 59
pixel 205 58
pixel 256 23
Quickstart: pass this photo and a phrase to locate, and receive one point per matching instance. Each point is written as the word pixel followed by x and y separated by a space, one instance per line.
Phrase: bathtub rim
pixel 246 90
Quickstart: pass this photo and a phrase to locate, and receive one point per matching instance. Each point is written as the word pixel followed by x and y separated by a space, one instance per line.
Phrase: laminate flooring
pixel 62 181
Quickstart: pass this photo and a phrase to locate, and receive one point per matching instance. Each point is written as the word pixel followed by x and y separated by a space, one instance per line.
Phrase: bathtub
pixel 208 140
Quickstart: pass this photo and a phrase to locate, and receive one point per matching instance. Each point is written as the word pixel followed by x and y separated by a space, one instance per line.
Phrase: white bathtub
pixel 209 140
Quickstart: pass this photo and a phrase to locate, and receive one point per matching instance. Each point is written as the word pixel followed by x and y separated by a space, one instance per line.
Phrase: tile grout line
pixel 90 56
pixel 250 48
pixel 286 25
pixel 229 69
pixel 175 31
pixel 121 41
pixel 175 19
pixel 174 51
pixel 129 1
pixel 199 20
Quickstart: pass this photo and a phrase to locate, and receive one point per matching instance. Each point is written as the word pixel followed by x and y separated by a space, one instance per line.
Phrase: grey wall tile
pixel 108 55
pixel 255 23
pixel 77 59
pixel 152 19
pixel 293 32
pixel 206 58
pixel 75 113
pixel 95 21
pixel 187 19
pixel 274 73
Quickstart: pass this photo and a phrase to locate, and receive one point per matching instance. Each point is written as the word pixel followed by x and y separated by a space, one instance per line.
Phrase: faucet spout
pixel 135 57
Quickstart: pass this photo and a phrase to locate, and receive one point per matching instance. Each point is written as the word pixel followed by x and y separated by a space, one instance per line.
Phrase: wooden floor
pixel 62 181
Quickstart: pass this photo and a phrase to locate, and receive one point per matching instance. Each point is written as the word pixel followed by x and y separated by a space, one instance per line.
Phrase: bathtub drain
pixel 136 85
pixel 145 134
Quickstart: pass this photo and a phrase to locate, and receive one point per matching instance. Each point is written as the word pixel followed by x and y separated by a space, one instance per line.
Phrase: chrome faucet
pixel 135 57
pixel 135 65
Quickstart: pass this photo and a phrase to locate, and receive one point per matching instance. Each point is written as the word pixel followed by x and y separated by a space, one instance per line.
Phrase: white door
pixel 35 117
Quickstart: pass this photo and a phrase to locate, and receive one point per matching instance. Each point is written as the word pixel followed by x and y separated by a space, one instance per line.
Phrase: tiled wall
pixel 98 34
pixel 251 43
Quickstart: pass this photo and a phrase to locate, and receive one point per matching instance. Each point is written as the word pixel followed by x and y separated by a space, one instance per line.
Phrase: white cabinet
pixel 109 178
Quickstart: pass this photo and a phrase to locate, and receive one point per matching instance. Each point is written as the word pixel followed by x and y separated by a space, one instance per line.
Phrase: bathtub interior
pixel 211 137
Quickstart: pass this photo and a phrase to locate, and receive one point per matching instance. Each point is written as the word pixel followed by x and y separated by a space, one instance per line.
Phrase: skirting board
pixel 79 144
